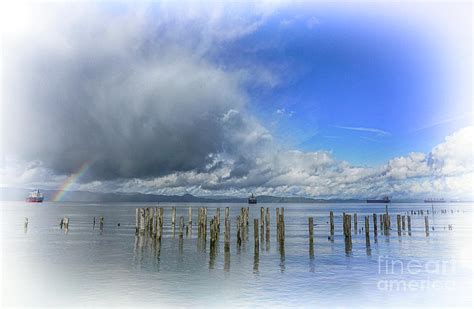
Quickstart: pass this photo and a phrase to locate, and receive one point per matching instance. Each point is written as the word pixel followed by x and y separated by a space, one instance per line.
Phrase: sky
pixel 356 99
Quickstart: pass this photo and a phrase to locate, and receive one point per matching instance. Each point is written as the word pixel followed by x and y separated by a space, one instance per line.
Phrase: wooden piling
pixel 64 224
pixel 142 221
pixel 403 223
pixel 212 234
pixel 137 220
pixel 311 231
pixel 409 225
pixel 277 220
pixel 101 223
pixel 173 220
pixel 262 224
pixel 346 219
pixel 331 224
pixel 199 219
pixel 367 231
pixel 239 233
pixel 281 227
pixel 375 224
pixel 26 223
pixel 355 223
pixel 399 225
pixel 189 230
pixel 267 223
pixel 226 230
pixel 181 226
pixel 427 226
pixel 218 221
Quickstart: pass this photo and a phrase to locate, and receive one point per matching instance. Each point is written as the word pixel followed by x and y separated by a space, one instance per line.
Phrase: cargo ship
pixel 385 199
pixel 252 199
pixel 35 197
pixel 435 200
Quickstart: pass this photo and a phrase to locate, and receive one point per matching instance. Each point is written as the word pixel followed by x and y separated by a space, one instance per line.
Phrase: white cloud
pixel 448 171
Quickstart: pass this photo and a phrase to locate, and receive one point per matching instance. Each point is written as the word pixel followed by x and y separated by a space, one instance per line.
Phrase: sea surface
pixel 85 266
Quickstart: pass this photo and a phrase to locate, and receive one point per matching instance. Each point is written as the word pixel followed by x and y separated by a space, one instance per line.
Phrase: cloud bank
pixel 139 98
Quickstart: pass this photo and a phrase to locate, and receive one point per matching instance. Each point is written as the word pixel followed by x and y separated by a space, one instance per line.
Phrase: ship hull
pixel 252 202
pixel 35 200
pixel 428 201
pixel 379 201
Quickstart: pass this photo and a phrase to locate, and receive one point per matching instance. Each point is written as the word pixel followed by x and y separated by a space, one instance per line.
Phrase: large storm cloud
pixel 121 93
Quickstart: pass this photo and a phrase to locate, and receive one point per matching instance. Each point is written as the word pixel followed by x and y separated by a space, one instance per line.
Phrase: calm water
pixel 85 266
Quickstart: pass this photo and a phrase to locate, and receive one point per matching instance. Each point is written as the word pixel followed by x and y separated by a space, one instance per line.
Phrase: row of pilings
pixel 149 221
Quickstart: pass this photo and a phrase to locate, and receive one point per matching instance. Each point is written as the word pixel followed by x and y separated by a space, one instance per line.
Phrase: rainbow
pixel 72 179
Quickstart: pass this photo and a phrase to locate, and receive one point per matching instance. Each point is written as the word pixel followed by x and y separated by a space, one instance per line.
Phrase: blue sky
pixel 358 99
pixel 341 68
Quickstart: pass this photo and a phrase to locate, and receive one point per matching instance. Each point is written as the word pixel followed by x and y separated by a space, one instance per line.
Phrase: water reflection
pixel 255 261
pixel 227 260
pixel 282 256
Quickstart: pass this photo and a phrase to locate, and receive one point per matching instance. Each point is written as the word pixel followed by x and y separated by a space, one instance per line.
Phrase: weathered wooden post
pixel 137 220
pixel 199 222
pixel 367 236
pixel 267 223
pixel 367 231
pixel 381 223
pixel 189 229
pixel 331 224
pixel 262 223
pixel 239 234
pixel 386 224
pixel 255 235
pixel 347 232
pixel 213 239
pixel 311 237
pixel 226 230
pixel 154 221
pixel 403 223
pixel 375 224
pixel 173 220
pixel 205 223
pixel 142 221
pixel 181 226
pixel 218 221
pixel 101 223
pixel 355 223
pixel 399 225
pixel 26 223
pixel 149 219
pixel 427 226
pixel 64 223
pixel 211 233
pixel 281 228
pixel 277 220
pixel 409 225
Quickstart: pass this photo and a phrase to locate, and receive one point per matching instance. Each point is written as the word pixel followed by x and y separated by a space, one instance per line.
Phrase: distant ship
pixel 35 197
pixel 252 199
pixel 385 199
pixel 435 200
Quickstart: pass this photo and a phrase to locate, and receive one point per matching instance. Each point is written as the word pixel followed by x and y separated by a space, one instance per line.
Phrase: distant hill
pixel 19 194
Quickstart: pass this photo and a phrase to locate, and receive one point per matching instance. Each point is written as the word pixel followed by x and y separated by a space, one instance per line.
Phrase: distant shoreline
pixel 19 194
